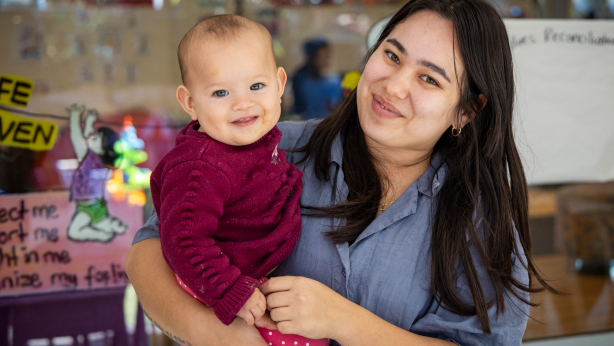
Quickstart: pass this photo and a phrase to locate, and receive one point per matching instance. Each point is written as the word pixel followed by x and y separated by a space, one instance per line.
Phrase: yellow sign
pixel 20 132
pixel 15 91
pixel 350 80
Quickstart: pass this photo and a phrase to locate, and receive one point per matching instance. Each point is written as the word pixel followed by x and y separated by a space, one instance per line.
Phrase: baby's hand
pixel 254 308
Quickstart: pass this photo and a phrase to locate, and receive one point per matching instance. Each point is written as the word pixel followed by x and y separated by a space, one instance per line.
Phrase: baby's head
pixel 231 83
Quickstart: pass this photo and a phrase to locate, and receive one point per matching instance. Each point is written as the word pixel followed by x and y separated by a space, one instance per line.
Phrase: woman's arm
pixel 309 308
pixel 365 328
pixel 183 318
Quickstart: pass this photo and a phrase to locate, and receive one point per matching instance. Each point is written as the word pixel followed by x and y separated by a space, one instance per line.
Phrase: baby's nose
pixel 242 103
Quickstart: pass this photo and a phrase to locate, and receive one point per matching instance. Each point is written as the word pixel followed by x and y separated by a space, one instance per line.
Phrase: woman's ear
pixel 186 101
pixel 466 118
pixel 282 78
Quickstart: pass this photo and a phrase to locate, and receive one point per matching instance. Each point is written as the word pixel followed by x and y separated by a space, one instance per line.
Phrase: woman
pixel 415 225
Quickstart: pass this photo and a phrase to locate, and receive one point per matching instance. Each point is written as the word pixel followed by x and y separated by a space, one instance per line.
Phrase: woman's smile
pixel 384 109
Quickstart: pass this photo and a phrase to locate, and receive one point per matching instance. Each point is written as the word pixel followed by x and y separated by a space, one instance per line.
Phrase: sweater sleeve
pixel 190 203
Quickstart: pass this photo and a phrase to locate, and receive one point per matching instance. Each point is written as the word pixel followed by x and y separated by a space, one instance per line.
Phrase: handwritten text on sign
pixel 37 257
pixel 564 80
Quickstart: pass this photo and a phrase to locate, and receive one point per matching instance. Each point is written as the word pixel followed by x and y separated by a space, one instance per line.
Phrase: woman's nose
pixel 397 85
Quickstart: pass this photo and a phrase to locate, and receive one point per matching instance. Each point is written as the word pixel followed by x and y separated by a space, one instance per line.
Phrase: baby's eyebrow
pixel 260 76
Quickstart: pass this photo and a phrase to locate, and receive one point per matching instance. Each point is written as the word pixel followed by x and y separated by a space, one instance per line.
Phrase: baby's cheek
pixel 271 115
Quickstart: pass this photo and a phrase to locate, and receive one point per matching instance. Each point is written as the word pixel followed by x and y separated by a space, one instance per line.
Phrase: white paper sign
pixel 564 108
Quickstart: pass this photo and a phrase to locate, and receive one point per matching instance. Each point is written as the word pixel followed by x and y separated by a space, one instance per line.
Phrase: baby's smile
pixel 245 121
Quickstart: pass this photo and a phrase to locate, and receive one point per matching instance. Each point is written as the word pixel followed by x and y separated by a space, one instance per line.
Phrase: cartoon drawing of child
pixel 94 150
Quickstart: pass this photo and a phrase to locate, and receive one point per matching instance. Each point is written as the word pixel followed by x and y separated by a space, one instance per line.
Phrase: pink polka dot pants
pixel 275 338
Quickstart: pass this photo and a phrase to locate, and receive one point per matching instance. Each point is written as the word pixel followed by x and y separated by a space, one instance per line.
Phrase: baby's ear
pixel 282 78
pixel 185 100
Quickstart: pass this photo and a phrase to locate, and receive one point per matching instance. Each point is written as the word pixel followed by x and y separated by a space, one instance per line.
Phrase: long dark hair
pixel 108 138
pixel 485 174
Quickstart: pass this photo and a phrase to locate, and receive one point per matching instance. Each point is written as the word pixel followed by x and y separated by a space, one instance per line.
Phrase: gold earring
pixel 457 131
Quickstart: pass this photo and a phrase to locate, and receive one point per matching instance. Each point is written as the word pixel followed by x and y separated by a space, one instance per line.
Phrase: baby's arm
pixel 189 203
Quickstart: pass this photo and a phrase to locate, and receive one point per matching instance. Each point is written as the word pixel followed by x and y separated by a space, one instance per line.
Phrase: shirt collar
pixel 432 179
pixel 429 183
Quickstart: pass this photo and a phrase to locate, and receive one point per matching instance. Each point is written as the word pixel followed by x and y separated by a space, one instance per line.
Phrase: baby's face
pixel 235 88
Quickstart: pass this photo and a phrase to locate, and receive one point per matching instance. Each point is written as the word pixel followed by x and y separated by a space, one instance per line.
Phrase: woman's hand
pixel 305 307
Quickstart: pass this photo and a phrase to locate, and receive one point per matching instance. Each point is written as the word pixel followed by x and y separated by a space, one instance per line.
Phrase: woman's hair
pixel 108 138
pixel 485 173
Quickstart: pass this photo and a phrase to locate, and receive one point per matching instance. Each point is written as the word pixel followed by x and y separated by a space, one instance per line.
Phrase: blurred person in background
pixel 315 93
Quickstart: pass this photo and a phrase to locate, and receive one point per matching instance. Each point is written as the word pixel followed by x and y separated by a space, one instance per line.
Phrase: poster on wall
pixel 39 252
pixel 108 43
pixel 29 42
pixel 75 239
pixel 563 113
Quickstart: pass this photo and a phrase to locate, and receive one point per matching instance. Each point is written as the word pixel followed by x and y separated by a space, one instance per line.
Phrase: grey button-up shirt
pixel 387 269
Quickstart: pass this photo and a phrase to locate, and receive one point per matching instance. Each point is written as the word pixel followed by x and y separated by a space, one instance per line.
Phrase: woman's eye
pixel 429 80
pixel 220 93
pixel 256 86
pixel 393 57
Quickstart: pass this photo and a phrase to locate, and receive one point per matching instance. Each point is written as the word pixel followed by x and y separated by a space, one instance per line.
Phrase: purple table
pixel 68 314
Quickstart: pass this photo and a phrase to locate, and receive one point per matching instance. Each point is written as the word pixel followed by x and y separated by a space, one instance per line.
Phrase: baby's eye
pixel 429 80
pixel 256 86
pixel 393 57
pixel 220 93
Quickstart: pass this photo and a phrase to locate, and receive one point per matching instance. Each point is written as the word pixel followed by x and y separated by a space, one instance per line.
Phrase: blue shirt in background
pixel 315 97
pixel 387 269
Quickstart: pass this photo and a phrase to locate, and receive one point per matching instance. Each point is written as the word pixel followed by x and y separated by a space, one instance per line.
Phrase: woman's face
pixel 412 76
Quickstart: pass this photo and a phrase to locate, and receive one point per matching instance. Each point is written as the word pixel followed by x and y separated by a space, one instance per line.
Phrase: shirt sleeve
pixel 507 328
pixel 190 203
pixel 295 135
pixel 149 229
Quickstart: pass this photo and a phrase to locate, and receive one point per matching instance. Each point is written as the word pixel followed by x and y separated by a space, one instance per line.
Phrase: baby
pixel 227 199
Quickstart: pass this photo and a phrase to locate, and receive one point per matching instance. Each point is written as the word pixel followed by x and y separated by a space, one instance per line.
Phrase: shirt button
pixel 343 272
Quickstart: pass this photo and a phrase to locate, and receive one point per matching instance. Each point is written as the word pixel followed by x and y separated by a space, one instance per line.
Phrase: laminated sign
pixel 15 91
pixel 42 249
pixel 16 131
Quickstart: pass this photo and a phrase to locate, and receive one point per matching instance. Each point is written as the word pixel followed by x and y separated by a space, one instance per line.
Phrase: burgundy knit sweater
pixel 228 214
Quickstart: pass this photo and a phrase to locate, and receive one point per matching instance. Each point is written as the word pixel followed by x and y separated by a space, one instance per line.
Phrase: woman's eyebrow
pixel 435 68
pixel 398 45
pixel 424 63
